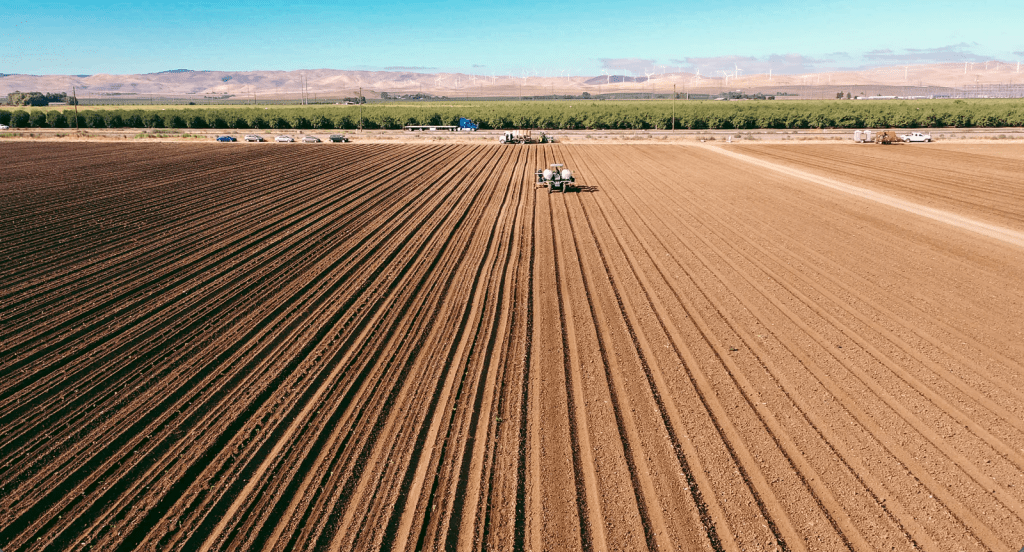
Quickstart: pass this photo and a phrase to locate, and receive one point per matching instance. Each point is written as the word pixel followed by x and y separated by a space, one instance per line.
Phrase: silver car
pixel 284 138
pixel 253 138
pixel 310 139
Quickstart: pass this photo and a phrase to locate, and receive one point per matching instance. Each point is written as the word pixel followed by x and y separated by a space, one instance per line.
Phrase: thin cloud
pixel 781 64
pixel 633 65
pixel 952 53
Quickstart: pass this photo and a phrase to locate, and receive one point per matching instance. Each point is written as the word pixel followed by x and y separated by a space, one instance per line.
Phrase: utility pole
pixel 673 107
pixel 74 93
pixel 360 100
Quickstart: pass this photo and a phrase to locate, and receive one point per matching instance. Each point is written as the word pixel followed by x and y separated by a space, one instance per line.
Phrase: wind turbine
pixel 607 74
pixel 736 67
pixel 726 74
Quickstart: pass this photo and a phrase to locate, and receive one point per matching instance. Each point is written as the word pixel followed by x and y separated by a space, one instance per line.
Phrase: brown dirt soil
pixel 978 181
pixel 413 347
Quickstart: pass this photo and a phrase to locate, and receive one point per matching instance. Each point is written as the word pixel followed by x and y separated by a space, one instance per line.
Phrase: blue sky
pixel 488 37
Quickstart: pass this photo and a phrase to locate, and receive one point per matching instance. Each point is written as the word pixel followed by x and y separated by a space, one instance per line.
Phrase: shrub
pixel 19 119
pixel 134 119
pixel 94 119
pixel 152 119
pixel 55 119
pixel 37 119
pixel 115 120
pixel 256 120
pixel 214 119
pixel 319 121
pixel 278 122
pixel 194 120
pixel 174 120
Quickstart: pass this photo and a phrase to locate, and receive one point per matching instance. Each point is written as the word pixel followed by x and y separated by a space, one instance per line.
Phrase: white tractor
pixel 556 178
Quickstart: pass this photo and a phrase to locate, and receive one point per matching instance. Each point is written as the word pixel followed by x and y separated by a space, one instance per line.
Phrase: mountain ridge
pixel 339 82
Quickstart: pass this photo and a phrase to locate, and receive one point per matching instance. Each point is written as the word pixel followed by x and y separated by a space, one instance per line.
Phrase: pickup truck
pixel 916 137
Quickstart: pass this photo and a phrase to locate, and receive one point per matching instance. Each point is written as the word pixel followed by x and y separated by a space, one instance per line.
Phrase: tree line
pixel 38 99
pixel 625 115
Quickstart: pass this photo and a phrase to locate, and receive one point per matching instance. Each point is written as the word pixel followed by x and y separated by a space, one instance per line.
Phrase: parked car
pixel 916 137
pixel 338 138
pixel 4 127
pixel 253 138
pixel 226 139
pixel 284 139
pixel 310 139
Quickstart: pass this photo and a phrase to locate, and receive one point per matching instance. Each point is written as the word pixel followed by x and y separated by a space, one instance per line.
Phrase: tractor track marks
pixel 414 348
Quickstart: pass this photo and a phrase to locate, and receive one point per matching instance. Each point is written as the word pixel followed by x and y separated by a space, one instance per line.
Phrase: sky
pixel 545 38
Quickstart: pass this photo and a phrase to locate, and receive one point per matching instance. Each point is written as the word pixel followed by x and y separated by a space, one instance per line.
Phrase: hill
pixel 333 83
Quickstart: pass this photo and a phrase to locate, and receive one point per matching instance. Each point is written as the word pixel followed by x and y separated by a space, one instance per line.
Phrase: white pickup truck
pixel 916 137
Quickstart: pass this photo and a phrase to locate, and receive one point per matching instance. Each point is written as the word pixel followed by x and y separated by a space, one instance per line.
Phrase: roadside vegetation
pixel 583 114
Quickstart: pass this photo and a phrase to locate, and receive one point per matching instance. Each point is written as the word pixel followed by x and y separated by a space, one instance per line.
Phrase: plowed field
pixel 405 347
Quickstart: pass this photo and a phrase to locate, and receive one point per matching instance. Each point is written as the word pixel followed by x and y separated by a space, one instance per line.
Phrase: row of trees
pixel 557 115
pixel 37 99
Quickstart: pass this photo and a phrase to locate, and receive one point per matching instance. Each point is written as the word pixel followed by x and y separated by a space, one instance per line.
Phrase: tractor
pixel 516 137
pixel 524 137
pixel 887 137
pixel 556 178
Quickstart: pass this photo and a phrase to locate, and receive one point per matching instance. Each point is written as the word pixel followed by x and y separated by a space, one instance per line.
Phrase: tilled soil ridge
pixel 411 347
